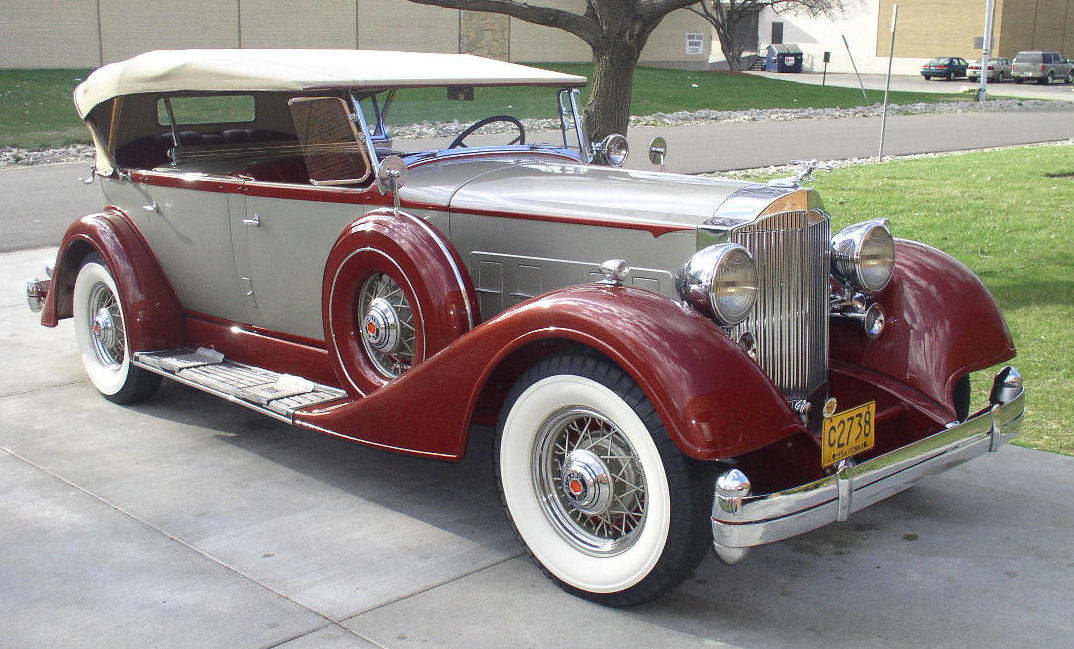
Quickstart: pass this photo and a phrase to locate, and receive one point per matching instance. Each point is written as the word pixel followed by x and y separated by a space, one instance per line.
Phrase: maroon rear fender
pixel 422 263
pixel 941 323
pixel 154 317
pixel 713 399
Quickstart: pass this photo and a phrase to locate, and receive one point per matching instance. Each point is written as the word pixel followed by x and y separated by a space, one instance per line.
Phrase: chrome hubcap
pixel 586 482
pixel 388 333
pixel 103 329
pixel 590 481
pixel 106 327
pixel 382 326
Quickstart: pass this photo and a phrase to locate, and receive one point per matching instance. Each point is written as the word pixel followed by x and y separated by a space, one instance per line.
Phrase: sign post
pixel 887 88
pixel 983 94
pixel 827 57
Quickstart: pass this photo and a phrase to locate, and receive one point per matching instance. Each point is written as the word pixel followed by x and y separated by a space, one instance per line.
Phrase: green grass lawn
pixel 1009 216
pixel 36 110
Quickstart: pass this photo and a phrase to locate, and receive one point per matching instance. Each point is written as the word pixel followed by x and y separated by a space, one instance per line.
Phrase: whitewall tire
pixel 100 332
pixel 598 493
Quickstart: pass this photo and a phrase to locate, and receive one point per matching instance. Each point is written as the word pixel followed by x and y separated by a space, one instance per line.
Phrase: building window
pixel 777 33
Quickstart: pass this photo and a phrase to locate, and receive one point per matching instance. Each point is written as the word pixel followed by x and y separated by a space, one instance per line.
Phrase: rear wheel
pixel 1047 81
pixel 100 330
pixel 604 501
pixel 1070 77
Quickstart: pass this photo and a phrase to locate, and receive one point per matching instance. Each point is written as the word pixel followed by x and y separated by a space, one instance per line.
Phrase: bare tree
pixel 725 17
pixel 616 31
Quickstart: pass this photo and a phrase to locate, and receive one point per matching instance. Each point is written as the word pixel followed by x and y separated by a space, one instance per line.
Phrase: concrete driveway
pixel 191 522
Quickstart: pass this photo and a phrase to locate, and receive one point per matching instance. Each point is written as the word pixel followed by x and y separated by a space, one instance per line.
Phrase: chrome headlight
pixel 613 149
pixel 864 255
pixel 721 282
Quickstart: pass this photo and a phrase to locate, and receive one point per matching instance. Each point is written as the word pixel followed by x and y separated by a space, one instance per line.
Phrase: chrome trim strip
pixel 215 393
pixel 773 517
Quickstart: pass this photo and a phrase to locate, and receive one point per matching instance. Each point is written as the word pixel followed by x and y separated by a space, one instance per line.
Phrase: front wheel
pixel 598 492
pixel 101 334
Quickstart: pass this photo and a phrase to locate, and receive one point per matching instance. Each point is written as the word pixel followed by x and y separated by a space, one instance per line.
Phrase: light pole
pixel 987 45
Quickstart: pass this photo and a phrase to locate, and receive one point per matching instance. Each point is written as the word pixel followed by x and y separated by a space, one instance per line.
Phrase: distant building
pixel 925 29
pixel 88 33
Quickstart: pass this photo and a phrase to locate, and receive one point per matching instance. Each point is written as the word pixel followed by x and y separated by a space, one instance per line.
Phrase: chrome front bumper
pixel 37 290
pixel 740 520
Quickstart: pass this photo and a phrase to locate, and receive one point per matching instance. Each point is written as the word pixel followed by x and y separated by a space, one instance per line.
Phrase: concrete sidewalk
pixel 191 522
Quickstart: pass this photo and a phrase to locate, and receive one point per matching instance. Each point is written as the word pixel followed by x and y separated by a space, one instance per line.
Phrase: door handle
pixel 255 221
pixel 152 207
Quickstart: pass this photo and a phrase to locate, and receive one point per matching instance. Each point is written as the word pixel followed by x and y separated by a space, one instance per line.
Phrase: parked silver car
pixel 999 68
pixel 1044 67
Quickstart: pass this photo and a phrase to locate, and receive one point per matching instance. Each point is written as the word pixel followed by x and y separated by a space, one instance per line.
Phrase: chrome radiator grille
pixel 790 321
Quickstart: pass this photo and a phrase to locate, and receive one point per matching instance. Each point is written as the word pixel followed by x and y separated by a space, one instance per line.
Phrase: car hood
pixel 559 189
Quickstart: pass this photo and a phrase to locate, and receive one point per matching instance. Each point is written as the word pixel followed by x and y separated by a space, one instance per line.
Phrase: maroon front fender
pixel 714 401
pixel 941 323
pixel 154 318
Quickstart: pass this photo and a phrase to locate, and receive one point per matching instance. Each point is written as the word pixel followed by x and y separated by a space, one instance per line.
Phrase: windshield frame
pixel 374 130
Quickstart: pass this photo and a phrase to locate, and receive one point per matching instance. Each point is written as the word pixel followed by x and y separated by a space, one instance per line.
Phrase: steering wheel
pixel 521 139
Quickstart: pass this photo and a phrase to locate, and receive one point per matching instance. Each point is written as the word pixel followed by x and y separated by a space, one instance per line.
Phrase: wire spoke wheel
pixel 388 333
pixel 109 337
pixel 591 480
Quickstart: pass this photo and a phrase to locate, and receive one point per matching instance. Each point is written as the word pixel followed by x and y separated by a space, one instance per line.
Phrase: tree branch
pixel 583 27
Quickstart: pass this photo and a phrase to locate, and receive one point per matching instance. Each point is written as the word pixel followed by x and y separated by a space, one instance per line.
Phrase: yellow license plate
pixel 848 433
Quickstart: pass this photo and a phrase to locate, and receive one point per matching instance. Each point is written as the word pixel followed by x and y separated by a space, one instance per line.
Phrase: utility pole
pixel 983 94
pixel 887 88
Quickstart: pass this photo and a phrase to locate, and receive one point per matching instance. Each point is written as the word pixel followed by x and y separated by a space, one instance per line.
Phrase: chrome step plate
pixel 277 395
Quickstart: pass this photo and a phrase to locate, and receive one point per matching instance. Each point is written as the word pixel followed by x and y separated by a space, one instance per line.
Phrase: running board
pixel 273 394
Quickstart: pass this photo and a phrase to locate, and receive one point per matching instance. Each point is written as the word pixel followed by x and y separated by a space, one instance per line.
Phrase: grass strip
pixel 36 111
pixel 1006 214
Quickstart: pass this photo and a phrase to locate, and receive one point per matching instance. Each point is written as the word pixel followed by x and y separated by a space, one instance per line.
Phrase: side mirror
pixel 658 150
pixel 391 174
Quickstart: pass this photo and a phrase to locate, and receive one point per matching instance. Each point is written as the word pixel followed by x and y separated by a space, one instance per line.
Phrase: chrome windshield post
pixel 356 106
pixel 571 97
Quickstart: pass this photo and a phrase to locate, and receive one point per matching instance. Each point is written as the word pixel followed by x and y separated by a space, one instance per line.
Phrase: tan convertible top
pixel 224 70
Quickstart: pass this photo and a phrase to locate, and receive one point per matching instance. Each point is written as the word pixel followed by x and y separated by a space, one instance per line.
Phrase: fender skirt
pixel 941 322
pixel 154 317
pixel 713 399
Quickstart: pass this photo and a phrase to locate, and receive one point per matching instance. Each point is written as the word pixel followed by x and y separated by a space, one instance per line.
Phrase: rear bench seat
pixel 152 151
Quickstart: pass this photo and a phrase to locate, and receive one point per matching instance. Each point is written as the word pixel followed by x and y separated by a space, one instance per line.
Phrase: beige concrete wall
pixel 668 41
pixel 947 27
pixel 42 34
pixel 285 23
pixel 928 28
pixel 402 25
pixel 535 44
pixel 130 27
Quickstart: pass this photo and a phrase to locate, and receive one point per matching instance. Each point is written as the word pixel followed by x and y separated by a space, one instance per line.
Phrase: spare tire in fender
pixel 394 293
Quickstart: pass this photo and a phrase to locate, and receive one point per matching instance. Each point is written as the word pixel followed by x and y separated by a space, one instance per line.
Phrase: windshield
pixel 410 121
pixel 1029 58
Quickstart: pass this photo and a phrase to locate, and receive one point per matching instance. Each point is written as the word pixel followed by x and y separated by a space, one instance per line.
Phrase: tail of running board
pixel 268 392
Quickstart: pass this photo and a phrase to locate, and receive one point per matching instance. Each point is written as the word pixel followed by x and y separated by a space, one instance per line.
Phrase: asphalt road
pixel 191 522
pixel 40 202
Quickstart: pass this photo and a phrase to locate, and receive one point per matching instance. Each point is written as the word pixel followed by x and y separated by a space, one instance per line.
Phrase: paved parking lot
pixel 190 522
pixel 916 83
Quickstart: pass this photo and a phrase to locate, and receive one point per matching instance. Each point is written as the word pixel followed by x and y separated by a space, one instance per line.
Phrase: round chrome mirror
pixel 391 174
pixel 658 150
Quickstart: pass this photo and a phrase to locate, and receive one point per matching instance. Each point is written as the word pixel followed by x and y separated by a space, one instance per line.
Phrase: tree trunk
pixel 608 108
pixel 732 51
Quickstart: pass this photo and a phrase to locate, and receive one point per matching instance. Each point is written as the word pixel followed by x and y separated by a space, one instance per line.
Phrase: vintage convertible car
pixel 318 236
